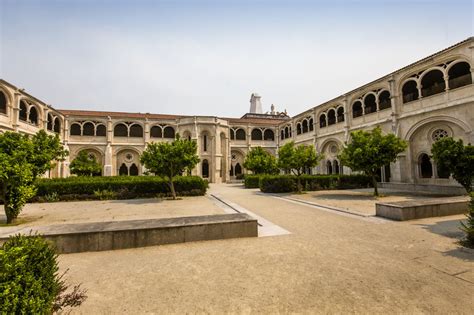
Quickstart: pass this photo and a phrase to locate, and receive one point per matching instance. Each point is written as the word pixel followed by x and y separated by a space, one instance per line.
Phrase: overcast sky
pixel 207 57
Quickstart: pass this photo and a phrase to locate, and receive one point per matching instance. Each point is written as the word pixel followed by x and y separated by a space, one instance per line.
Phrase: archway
pixel 432 83
pixel 238 169
pixel 426 168
pixel 410 91
pixel 205 169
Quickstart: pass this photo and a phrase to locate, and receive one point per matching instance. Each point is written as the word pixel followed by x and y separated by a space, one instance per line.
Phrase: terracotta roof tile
pixel 117 114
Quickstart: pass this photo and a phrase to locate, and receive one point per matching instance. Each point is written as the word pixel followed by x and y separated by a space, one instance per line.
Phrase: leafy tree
pixel 368 151
pixel 170 159
pixel 260 161
pixel 297 159
pixel 85 165
pixel 22 160
pixel 29 279
pixel 458 159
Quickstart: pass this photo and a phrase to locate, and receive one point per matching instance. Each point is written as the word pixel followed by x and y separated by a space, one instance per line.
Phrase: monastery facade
pixel 422 102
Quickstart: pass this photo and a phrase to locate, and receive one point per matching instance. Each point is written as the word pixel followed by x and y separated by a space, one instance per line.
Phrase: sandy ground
pixel 361 200
pixel 331 263
pixel 112 210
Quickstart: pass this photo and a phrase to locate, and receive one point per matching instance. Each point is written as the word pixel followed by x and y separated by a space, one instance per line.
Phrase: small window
pixel 432 83
pixel 50 122
pixel 232 134
pixel 311 124
pixel 75 130
pixel 204 143
pixel 33 117
pixel 23 111
pixel 340 114
pixel 331 117
pixel 100 130
pixel 155 132
pixel 370 104
pixel 459 75
pixel 322 121
pixel 88 129
pixel 410 91
pixel 168 132
pixel 3 103
pixel 357 109
pixel 384 100
pixel 305 126
pixel 57 125
pixel 120 130
pixel 257 134
pixel 240 134
pixel 439 134
pixel 268 135
pixel 136 131
pixel 426 168
pixel 298 128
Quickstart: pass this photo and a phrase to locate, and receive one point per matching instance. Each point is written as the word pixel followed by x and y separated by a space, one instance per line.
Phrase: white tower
pixel 255 104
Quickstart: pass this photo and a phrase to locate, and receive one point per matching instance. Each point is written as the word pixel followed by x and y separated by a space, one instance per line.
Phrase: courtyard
pixel 331 262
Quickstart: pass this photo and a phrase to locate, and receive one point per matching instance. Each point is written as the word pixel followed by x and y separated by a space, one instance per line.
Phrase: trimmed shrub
pixel 29 280
pixel 117 187
pixel 240 176
pixel 277 183
pixel 252 181
pixel 287 183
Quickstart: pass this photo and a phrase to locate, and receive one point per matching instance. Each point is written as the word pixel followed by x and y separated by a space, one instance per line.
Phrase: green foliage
pixel 297 159
pixel 123 187
pixel 29 280
pixel 289 183
pixel 170 159
pixel 252 181
pixel 368 151
pixel 85 165
pixel 22 160
pixel 52 197
pixel 105 194
pixel 456 158
pixel 260 161
pixel 468 227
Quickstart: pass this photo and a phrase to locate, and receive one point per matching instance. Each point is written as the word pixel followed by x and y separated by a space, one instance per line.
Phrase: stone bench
pixel 99 236
pixel 418 209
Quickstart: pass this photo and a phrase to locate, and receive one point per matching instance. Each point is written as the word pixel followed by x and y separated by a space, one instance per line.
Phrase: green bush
pixel 29 280
pixel 120 187
pixel 287 183
pixel 252 181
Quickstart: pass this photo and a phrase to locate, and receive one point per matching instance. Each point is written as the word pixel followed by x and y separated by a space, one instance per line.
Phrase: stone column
pixel 108 168
pixel 15 113
pixel 346 120
pixel 146 131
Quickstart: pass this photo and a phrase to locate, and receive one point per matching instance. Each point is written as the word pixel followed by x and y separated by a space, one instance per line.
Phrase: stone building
pixel 422 102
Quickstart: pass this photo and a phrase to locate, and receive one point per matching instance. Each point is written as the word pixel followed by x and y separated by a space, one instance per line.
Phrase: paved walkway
pixel 330 263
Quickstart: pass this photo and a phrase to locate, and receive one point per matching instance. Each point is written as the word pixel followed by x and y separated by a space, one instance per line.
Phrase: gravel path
pixel 330 263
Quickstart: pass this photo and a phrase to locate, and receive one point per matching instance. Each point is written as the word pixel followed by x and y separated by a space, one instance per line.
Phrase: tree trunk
pixel 3 192
pixel 298 184
pixel 173 192
pixel 374 181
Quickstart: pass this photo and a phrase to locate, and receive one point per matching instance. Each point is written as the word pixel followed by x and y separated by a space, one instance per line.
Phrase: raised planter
pixel 99 236
pixel 410 210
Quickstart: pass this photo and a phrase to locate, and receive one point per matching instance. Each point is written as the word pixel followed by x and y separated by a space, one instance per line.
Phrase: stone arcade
pixel 422 102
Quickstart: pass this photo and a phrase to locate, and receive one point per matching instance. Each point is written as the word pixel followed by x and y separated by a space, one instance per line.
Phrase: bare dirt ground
pixel 331 263
pixel 35 214
pixel 362 200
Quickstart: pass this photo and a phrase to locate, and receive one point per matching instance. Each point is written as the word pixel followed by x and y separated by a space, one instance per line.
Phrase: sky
pixel 208 57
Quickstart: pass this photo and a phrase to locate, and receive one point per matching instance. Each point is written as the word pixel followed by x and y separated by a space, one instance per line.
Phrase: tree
pixel 458 159
pixel 368 151
pixel 22 160
pixel 170 159
pixel 260 161
pixel 85 165
pixel 297 159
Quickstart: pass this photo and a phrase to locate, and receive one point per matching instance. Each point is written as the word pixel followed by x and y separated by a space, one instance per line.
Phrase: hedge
pixel 115 187
pixel 252 181
pixel 287 183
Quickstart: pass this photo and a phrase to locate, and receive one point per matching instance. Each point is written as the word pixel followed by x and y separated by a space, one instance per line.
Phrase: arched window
pixel 257 134
pixel 232 134
pixel 331 117
pixel 50 122
pixel 33 117
pixel 336 167
pixel 155 132
pixel 240 134
pixel 23 111
pixel 123 170
pixel 136 131
pixel 370 104
pixel 305 126
pixel 57 125
pixel 3 103
pixel 459 75
pixel 287 132
pixel 329 167
pixel 100 130
pixel 384 100
pixel 120 130
pixel 340 114
pixel 298 128
pixel 410 91
pixel 311 124
pixel 268 135
pixel 322 121
pixel 432 83
pixel 168 132
pixel 357 109
pixel 133 170
pixel 426 168
pixel 282 134
pixel 88 129
pixel 238 169
pixel 205 169
pixel 204 143
pixel 75 130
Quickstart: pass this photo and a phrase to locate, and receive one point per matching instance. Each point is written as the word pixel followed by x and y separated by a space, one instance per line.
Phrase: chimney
pixel 255 105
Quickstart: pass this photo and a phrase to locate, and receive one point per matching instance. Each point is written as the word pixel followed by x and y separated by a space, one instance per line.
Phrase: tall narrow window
pixel 204 143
